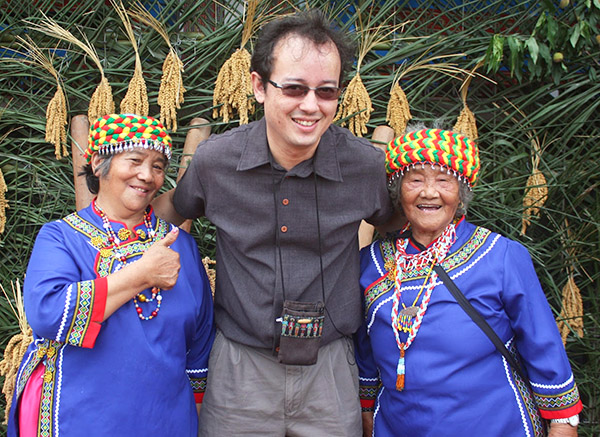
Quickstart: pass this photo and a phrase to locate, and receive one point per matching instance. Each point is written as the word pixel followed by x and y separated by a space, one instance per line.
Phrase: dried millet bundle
pixel 398 110
pixel 571 315
pixel 15 349
pixel 233 88
pixel 170 94
pixel 466 124
pixel 102 102
pixel 56 120
pixel 136 98
pixel 356 98
pixel 536 194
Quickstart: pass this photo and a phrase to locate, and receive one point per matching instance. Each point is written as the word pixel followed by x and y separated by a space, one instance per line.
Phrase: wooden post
pixel 199 131
pixel 79 132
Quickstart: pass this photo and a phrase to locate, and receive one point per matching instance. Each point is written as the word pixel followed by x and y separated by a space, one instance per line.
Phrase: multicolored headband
pixel 116 133
pixel 450 150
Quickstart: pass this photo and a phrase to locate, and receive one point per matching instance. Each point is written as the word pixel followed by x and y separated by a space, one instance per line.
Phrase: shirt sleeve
pixel 537 337
pixel 61 304
pixel 202 341
pixel 189 198
pixel 369 381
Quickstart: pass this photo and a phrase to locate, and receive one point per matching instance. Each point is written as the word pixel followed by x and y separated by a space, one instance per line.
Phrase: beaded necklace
pixel 409 318
pixel 113 247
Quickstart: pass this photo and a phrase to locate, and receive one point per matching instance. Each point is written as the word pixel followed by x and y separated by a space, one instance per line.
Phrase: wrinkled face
pixel 296 124
pixel 132 181
pixel 429 198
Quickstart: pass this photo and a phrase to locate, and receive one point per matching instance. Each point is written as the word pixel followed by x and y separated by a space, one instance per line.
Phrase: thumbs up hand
pixel 161 263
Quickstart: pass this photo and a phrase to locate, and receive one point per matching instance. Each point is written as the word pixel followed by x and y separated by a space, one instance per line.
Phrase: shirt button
pixel 285 201
pixel 284 228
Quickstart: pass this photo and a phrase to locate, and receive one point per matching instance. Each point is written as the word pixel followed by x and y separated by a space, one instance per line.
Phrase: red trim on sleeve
pixel 98 307
pixel 562 414
pixel 199 397
pixel 367 403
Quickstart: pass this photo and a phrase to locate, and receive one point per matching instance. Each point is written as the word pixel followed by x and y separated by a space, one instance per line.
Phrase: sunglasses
pixel 297 90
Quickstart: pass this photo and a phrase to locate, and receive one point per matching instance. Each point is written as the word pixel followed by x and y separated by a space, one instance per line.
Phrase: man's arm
pixel 164 208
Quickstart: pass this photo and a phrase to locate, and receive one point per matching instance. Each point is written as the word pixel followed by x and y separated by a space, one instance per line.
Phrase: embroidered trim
pixel 47 398
pixel 198 384
pixel 559 401
pixel 63 320
pixel 83 313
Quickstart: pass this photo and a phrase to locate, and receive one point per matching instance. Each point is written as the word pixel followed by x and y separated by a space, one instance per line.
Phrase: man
pixel 287 194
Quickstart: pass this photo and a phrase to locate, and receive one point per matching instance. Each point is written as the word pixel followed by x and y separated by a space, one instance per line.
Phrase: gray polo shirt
pixel 231 182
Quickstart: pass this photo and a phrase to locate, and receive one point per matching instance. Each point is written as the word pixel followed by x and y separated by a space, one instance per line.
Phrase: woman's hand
pixel 367 423
pixel 562 430
pixel 160 264
pixel 158 267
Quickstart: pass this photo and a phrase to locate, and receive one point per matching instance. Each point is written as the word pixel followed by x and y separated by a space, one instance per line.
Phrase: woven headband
pixel 116 133
pixel 448 149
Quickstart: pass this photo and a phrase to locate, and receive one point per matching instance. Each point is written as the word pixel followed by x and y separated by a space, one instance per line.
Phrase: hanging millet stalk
pixel 536 191
pixel 466 123
pixel 398 110
pixel 233 87
pixel 56 112
pixel 170 93
pixel 570 318
pixel 15 349
pixel 136 98
pixel 356 104
pixel 101 102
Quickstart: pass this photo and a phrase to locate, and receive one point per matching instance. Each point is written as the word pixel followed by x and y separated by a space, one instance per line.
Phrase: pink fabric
pixel 29 403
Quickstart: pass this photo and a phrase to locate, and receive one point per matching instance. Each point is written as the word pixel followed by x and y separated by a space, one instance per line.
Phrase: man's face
pixel 295 124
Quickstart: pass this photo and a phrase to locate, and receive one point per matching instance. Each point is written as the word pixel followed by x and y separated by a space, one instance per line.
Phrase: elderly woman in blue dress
pixel 426 368
pixel 119 303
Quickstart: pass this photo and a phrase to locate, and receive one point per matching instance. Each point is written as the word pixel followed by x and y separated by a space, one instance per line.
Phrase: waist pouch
pixel 301 332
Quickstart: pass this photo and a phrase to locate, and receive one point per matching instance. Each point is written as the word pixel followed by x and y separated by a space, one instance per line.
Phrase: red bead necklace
pixel 114 243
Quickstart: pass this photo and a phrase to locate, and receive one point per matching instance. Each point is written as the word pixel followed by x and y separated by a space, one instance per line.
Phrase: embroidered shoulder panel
pixel 453 261
pixel 98 238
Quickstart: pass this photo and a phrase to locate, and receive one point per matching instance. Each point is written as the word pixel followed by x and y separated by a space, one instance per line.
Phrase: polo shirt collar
pixel 255 154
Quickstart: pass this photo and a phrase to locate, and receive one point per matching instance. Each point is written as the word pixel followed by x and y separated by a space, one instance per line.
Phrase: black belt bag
pixel 301 332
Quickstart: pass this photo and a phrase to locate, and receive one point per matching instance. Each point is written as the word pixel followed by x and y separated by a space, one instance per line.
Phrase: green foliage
pixel 521 95
pixel 562 39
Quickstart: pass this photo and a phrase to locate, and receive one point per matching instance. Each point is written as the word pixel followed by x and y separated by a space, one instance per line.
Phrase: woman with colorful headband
pixel 426 368
pixel 119 304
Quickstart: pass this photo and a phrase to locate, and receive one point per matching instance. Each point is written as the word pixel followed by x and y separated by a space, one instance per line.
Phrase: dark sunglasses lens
pixel 327 93
pixel 294 90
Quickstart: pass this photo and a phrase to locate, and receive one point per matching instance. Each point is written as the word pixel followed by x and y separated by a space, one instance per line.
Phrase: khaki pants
pixel 250 394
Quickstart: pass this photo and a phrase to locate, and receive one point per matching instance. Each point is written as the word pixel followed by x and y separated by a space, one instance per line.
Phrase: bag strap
pixel 476 316
pixel 479 320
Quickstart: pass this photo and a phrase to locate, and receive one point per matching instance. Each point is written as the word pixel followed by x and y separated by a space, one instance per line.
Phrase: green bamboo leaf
pixel 552 31
pixel 575 34
pixel 533 48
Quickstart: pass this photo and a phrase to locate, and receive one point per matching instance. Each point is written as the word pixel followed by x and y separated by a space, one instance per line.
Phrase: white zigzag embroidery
pixel 63 321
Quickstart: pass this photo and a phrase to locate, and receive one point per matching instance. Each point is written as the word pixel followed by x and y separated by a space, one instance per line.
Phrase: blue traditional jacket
pixel 456 381
pixel 123 376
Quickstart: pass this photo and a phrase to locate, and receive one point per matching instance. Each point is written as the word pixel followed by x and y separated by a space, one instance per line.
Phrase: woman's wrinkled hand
pixel 160 263
pixel 562 430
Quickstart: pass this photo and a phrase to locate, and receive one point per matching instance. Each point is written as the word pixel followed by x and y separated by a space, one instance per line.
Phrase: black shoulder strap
pixel 476 316
pixel 479 320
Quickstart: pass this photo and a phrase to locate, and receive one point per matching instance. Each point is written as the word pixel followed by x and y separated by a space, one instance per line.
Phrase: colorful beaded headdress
pixel 116 133
pixel 450 150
